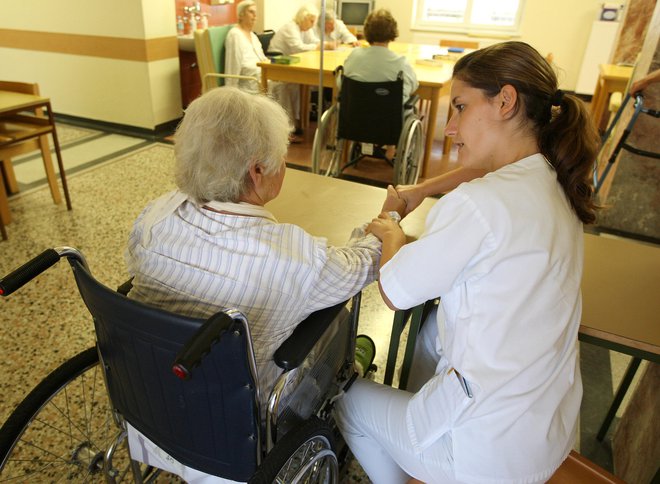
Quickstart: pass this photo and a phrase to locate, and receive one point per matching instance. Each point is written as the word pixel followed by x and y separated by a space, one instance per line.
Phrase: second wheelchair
pixel 369 115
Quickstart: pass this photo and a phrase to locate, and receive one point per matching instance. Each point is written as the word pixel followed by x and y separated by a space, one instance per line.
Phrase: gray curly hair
pixel 222 134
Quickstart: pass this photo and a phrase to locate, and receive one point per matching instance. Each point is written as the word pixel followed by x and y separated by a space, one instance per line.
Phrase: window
pixel 468 15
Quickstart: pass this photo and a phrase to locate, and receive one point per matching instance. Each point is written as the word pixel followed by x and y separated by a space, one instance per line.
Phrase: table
pixel 620 284
pixel 621 296
pixel 13 106
pixel 621 307
pixel 612 78
pixel 332 208
pixel 433 79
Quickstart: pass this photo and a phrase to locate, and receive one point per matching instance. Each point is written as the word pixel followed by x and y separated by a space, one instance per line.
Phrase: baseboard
pixel 157 134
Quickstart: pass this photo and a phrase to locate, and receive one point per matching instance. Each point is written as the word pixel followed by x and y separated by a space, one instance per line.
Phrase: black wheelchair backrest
pixel 371 112
pixel 209 422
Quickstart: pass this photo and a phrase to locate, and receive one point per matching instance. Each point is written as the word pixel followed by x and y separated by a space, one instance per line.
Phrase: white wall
pixel 275 13
pixel 135 93
pixel 558 26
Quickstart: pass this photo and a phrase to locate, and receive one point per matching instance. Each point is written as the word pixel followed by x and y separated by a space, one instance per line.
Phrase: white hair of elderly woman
pixel 329 15
pixel 242 6
pixel 222 134
pixel 304 12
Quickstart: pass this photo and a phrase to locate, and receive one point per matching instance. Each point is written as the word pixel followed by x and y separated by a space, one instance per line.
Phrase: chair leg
pixel 400 318
pixel 618 397
pixel 304 106
pixel 5 214
pixel 50 171
pixel 60 164
pixel 4 211
pixel 9 176
pixel 415 323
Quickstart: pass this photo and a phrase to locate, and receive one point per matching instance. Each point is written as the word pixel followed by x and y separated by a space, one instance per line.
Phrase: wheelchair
pixel 188 385
pixel 368 114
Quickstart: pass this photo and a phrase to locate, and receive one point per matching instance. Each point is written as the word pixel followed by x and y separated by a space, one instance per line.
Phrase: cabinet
pixel 191 85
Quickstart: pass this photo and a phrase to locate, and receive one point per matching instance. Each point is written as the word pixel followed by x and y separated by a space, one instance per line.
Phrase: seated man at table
pixel 335 31
pixel 212 244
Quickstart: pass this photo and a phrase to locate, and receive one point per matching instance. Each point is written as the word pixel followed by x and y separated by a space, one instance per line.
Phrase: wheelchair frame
pixel 329 151
pixel 74 403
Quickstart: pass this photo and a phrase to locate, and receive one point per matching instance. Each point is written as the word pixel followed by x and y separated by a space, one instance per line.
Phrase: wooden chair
pixel 17 128
pixel 210 51
pixel 4 211
pixel 577 468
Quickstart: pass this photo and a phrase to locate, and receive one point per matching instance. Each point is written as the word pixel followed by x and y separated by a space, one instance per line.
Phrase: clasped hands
pixel 403 200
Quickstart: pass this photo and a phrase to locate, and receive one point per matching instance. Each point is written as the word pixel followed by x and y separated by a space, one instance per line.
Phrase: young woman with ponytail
pixel 495 386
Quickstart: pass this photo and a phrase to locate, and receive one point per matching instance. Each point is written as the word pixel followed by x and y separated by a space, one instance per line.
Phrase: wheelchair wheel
pixel 326 149
pixel 409 153
pixel 62 429
pixel 304 455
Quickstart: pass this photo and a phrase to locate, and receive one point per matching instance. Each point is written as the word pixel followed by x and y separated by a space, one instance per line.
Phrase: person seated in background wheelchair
pixel 243 49
pixel 377 62
pixel 212 244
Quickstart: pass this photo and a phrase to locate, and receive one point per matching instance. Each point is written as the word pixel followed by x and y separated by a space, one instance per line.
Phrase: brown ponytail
pixel 570 141
pixel 565 132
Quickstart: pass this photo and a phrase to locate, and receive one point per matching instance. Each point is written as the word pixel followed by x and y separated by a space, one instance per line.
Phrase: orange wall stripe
pixel 141 50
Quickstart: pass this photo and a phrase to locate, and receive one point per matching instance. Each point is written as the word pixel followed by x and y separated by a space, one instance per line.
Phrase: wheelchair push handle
pixel 199 345
pixel 28 271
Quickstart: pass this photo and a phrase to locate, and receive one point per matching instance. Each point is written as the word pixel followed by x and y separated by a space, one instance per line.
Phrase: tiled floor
pixel 45 323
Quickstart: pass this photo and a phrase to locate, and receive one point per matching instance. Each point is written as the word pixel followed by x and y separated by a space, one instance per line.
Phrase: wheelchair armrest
pixel 296 347
pixel 126 287
pixel 411 102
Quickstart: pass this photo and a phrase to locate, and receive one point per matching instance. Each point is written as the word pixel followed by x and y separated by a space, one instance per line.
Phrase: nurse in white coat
pixel 497 388
pixel 243 49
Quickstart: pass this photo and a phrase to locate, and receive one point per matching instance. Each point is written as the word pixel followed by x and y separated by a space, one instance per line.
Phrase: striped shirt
pixel 192 260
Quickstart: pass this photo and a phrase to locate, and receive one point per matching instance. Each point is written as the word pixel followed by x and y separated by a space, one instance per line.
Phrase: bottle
pixel 205 21
pixel 193 23
pixel 180 28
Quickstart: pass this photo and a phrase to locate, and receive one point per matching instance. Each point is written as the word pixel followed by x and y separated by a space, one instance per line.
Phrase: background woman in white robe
pixel 243 49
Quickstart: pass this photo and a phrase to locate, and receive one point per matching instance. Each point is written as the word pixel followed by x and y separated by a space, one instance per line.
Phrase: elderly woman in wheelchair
pixel 261 376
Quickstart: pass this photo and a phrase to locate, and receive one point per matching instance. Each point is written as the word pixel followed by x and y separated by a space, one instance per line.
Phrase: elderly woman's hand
pixel 386 228
pixel 393 202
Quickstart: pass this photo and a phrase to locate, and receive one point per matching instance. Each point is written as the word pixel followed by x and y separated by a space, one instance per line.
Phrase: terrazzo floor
pixel 46 323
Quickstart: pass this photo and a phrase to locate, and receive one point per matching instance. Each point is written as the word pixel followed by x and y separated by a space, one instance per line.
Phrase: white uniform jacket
pixel 504 253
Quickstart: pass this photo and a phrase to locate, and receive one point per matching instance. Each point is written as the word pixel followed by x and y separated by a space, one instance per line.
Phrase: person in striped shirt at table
pixel 212 244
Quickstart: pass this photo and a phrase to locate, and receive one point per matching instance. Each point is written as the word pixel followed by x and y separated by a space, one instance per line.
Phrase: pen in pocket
pixel 462 381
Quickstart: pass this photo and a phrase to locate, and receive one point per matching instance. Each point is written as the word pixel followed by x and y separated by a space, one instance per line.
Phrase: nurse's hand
pixel 413 195
pixel 393 202
pixel 387 230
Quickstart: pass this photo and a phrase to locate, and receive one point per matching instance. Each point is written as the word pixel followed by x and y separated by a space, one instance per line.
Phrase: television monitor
pixel 354 12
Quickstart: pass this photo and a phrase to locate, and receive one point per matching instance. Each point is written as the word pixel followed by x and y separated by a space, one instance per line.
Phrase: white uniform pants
pixel 372 419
